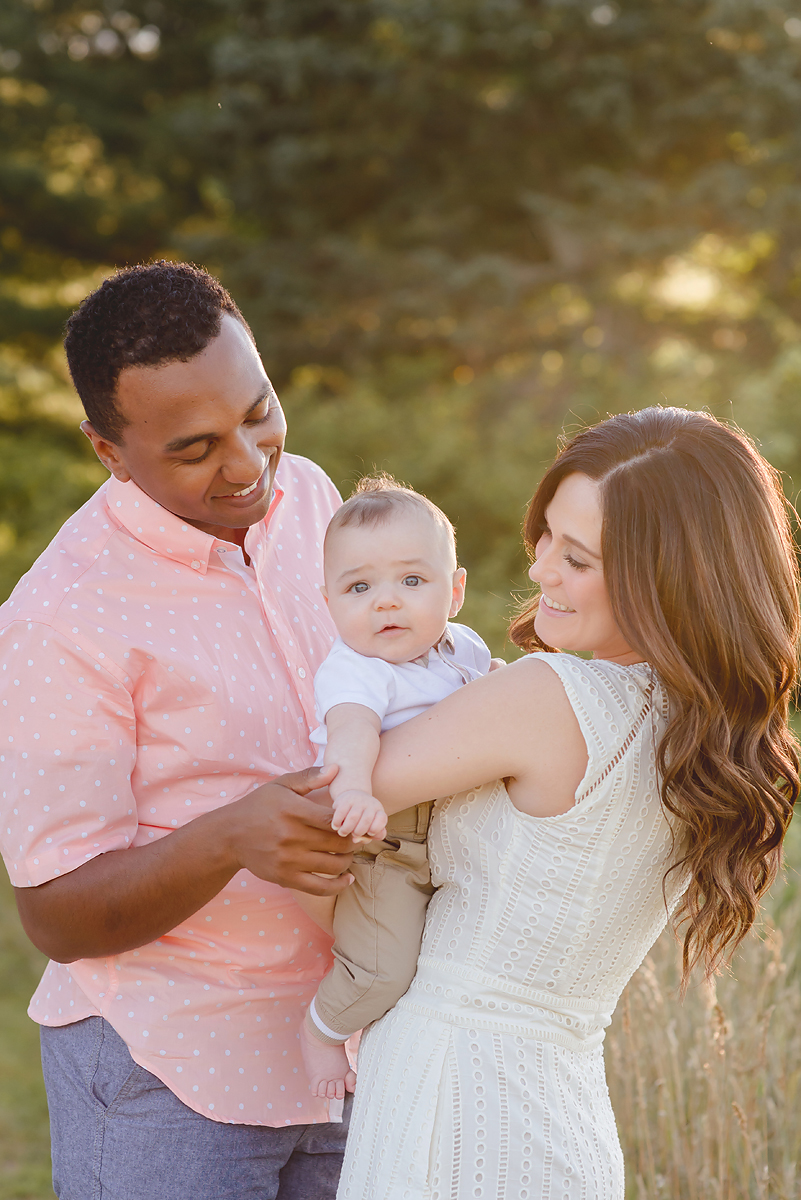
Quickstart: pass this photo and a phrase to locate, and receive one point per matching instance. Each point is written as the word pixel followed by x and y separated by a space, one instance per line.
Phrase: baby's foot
pixel 329 1071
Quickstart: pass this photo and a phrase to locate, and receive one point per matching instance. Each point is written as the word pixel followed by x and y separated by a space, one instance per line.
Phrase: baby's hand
pixel 359 815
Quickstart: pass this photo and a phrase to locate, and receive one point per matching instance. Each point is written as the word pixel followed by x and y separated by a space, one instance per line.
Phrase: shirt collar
pixel 446 642
pixel 162 531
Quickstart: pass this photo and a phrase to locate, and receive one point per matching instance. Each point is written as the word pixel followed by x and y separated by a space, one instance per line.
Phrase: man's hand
pixel 126 898
pixel 360 815
pixel 283 834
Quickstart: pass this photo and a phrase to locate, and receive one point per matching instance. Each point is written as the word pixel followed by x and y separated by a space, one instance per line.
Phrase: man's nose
pixel 244 461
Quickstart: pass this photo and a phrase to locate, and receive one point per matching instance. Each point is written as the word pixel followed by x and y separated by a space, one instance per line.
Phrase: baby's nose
pixel 386 597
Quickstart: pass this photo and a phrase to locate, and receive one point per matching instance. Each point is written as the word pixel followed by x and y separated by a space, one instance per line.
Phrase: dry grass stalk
pixel 706 1092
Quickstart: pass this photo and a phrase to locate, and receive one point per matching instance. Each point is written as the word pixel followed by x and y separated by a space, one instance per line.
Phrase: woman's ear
pixel 107 452
pixel 457 599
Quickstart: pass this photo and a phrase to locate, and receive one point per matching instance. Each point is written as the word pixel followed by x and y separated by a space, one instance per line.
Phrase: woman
pixel 594 799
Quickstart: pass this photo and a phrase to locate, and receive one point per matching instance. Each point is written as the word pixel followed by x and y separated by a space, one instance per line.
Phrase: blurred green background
pixel 456 227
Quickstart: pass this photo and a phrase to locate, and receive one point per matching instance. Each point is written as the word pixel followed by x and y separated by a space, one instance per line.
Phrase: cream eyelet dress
pixel 486 1081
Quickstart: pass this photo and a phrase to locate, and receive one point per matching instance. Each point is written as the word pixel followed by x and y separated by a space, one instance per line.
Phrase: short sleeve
pixel 67 750
pixel 350 678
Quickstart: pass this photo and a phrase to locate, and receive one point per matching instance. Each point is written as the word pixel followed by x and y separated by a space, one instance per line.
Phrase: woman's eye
pixel 412 581
pixel 575 564
pixel 358 588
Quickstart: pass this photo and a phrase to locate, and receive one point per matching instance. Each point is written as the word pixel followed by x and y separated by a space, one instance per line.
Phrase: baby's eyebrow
pixel 365 567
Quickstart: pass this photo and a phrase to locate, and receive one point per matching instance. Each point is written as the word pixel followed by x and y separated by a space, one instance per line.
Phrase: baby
pixel 392 584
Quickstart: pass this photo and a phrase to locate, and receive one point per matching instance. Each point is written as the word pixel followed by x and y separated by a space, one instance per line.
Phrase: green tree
pixel 454 225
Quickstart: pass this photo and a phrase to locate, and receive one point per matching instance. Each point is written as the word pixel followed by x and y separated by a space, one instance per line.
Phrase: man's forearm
pixel 126 898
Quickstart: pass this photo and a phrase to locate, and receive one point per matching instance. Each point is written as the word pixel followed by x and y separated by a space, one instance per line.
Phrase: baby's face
pixel 391 588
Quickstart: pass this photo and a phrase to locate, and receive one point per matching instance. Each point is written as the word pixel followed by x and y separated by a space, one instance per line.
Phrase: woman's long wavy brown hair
pixel 702 577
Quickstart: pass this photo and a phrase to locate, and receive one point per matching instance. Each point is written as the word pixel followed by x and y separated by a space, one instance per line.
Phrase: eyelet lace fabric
pixel 486 1081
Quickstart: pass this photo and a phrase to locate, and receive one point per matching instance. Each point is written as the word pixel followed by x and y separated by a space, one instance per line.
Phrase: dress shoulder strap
pixel 613 704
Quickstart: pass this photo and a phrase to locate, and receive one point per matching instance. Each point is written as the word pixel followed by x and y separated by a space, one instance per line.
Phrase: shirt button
pixel 195 565
pixel 301 672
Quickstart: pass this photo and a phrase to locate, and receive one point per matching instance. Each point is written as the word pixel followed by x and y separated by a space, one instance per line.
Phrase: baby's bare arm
pixel 353 743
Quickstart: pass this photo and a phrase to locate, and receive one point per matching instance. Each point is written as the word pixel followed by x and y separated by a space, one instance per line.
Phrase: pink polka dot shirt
pixel 147 675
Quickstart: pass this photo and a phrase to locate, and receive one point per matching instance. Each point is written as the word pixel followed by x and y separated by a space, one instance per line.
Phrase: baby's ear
pixel 459 581
pixel 324 593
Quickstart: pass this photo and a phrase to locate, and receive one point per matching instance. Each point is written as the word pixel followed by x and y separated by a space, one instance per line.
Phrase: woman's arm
pixel 515 724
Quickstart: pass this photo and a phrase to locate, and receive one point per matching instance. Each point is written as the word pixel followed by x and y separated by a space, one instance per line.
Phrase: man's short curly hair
pixel 140 317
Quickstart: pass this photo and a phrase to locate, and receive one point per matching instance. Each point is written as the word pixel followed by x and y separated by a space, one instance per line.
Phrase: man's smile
pixel 253 491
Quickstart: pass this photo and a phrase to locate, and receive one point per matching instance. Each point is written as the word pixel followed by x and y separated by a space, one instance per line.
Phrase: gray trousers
pixel 118 1133
pixel 378 925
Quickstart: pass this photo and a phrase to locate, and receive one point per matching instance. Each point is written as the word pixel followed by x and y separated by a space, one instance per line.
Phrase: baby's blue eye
pixel 358 588
pixel 412 580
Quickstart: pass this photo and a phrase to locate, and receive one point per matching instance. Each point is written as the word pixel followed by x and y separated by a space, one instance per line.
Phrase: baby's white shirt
pixel 396 692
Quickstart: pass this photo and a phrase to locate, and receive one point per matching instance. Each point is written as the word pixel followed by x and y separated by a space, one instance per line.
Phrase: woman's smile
pixel 549 603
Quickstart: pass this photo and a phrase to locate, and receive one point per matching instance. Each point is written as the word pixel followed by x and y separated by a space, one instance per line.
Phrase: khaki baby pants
pixel 378 926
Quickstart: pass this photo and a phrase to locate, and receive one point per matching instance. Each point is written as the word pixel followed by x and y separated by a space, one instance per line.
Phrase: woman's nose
pixel 543 568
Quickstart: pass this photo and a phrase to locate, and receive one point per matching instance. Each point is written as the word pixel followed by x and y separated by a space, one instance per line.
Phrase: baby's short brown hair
pixel 377 498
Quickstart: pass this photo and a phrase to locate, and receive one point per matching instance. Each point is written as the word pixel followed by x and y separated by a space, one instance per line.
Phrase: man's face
pixel 203 437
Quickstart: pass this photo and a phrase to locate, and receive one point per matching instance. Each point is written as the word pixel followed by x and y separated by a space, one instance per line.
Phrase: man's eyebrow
pixel 184 442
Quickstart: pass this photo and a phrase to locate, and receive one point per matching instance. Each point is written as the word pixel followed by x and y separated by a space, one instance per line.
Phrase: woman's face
pixel 574 611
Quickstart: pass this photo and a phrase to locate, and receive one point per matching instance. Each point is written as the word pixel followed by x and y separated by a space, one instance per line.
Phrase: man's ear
pixel 107 452
pixel 459 581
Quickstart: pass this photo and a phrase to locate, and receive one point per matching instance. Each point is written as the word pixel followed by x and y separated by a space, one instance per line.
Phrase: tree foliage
pixel 455 225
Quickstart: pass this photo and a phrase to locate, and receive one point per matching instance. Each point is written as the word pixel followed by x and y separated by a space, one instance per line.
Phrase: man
pixel 156 669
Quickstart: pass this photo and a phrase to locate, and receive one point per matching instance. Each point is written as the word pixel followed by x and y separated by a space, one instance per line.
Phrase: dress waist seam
pixel 522 1029
pixel 429 968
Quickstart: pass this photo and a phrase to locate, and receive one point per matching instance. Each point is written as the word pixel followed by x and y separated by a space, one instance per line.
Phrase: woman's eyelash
pixel 578 566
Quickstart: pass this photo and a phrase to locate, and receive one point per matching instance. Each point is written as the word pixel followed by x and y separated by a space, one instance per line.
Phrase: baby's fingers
pixel 345 823
pixel 378 826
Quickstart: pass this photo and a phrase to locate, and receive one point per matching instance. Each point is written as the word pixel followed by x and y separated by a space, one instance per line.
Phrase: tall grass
pixel 706 1092
pixel 24 1140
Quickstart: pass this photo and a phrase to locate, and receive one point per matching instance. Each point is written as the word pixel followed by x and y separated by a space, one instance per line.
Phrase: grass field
pixel 706 1092
pixel 24 1149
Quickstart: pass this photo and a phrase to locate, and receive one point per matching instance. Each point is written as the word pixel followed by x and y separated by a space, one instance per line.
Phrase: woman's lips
pixel 549 605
